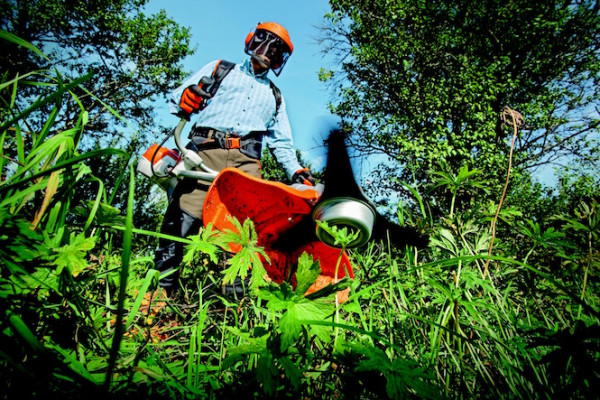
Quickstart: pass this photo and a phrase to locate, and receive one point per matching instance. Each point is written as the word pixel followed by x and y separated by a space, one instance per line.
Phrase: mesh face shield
pixel 269 49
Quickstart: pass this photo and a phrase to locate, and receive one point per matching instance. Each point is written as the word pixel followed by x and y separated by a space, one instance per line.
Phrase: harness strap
pixel 207 138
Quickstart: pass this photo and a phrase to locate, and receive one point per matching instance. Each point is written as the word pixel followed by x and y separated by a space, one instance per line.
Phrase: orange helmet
pixel 270 43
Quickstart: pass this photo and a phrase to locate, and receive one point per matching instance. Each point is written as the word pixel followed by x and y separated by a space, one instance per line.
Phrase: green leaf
pixel 266 372
pixel 277 296
pixel 305 309
pixel 72 256
pixel 248 257
pixel 23 330
pixel 343 237
pixel 252 345
pixel 330 290
pixel 292 372
pixel 208 242
pixel 105 214
pixel 4 35
pixel 307 273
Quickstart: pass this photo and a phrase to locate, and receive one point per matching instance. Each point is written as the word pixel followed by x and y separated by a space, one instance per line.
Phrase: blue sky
pixel 219 28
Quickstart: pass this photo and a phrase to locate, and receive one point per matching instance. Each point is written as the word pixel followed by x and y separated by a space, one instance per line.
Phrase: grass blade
pixel 125 259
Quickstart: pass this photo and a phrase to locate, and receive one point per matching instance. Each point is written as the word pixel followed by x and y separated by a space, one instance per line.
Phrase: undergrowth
pixel 447 321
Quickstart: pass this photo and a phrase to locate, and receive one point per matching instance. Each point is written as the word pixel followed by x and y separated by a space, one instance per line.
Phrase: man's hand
pixel 304 177
pixel 192 98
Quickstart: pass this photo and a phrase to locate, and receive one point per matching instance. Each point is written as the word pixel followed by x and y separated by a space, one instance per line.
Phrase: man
pixel 231 125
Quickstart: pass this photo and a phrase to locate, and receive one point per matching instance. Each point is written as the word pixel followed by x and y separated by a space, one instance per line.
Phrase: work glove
pixel 191 100
pixel 304 177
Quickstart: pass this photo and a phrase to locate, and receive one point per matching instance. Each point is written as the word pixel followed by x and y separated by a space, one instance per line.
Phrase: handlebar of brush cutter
pixel 190 160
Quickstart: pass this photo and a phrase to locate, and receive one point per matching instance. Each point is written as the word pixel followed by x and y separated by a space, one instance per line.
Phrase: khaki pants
pixel 191 194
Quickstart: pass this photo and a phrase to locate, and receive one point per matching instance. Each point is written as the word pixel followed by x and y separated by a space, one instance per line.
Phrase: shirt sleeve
pixel 279 140
pixel 175 98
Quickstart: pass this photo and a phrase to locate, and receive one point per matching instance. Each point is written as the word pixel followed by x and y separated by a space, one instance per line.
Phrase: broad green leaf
pixel 307 273
pixel 72 256
pixel 304 309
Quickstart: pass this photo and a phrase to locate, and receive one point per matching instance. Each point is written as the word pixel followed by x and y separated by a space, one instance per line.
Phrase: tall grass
pixel 429 323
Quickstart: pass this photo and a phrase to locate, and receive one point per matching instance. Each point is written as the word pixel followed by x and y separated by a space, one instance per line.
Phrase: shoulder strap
pixel 223 68
pixel 277 94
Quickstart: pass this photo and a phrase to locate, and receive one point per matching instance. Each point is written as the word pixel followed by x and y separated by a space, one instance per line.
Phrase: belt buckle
pixel 232 142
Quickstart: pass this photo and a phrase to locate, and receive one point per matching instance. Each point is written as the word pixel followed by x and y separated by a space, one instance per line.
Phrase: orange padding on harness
pixel 274 208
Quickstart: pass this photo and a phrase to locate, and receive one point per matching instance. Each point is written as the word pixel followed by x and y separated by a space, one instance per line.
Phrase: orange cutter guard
pixel 273 207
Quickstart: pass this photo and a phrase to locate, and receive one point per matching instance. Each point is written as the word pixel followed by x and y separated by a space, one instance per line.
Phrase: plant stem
pixel 337 302
pixel 495 220
pixel 586 272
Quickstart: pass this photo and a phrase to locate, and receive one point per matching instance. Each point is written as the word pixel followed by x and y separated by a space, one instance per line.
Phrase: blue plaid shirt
pixel 244 103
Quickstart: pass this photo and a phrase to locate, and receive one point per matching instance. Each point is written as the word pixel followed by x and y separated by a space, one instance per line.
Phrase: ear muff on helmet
pixel 248 39
pixel 269 42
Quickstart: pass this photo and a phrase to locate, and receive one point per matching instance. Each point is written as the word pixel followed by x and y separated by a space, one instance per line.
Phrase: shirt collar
pixel 247 68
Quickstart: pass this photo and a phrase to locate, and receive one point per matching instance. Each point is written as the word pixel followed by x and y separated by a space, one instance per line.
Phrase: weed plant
pixel 453 320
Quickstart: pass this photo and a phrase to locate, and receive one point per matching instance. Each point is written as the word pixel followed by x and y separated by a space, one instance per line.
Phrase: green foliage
pixel 281 351
pixel 208 242
pixel 135 59
pixel 427 83
pixel 72 255
pixel 269 168
pixel 272 171
pixel 402 376
pixel 297 308
pixel 133 56
pixel 462 183
pixel 342 237
pixel 463 318
pixel 248 257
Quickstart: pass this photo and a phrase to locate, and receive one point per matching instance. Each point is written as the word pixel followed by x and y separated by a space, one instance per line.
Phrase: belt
pixel 216 139
pixel 208 138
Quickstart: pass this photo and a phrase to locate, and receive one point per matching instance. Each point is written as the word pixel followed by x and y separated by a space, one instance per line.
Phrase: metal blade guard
pixel 345 212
